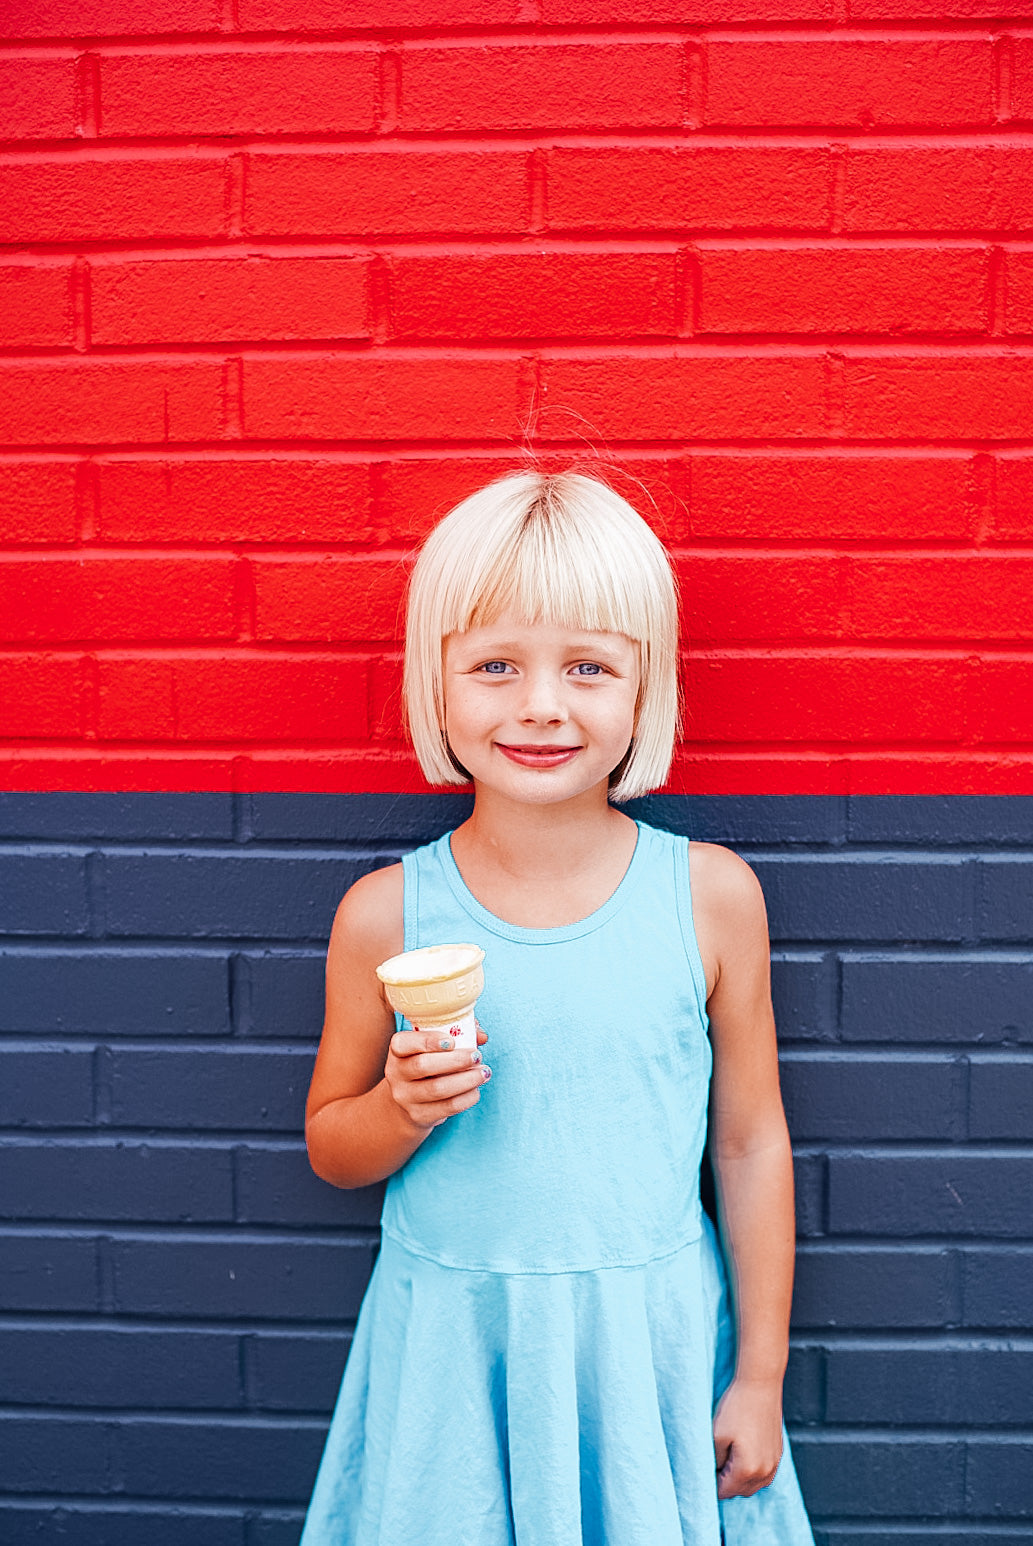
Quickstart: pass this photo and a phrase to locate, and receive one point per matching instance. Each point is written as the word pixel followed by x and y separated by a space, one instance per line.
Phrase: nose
pixel 542 702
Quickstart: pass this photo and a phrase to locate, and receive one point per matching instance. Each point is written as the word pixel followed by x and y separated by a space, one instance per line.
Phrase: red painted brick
pixel 758 597
pixel 937 596
pixel 39 695
pixel 103 18
pixel 826 498
pixel 96 598
pixel 363 397
pixel 209 300
pixel 401 191
pixel 386 716
pixel 1002 701
pixel 543 85
pixel 1018 292
pixel 699 187
pixel 339 600
pixel 36 304
pixel 37 97
pixel 683 397
pixel 938 397
pixel 84 401
pixel 937 10
pixel 1013 518
pixel 236 500
pixel 531 294
pixel 686 12
pixel 331 15
pixel 37 502
pixel 232 698
pixel 413 494
pixel 839 698
pixel 1022 76
pixel 272 91
pixel 113 199
pixel 916 187
pixel 849 81
pixel 844 289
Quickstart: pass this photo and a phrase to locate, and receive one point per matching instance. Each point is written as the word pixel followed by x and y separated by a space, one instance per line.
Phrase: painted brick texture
pixel 177 1290
pixel 281 282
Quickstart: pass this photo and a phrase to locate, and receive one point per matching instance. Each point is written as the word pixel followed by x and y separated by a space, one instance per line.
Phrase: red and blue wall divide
pixel 281 283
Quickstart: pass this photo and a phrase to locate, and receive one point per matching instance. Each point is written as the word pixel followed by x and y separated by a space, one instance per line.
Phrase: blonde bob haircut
pixel 564 550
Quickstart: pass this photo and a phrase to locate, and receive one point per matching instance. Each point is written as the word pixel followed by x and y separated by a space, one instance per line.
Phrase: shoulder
pixel 727 908
pixel 369 919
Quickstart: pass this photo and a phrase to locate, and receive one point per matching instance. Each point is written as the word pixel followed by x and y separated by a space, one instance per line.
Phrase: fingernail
pixel 445 1043
pixel 485 1072
pixel 475 1057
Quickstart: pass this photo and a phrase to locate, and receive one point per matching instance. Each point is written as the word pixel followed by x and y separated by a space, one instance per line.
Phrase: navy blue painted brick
pixel 166 817
pixel 277 1186
pixel 114 993
pixel 969 1534
pixel 45 1086
pixel 947 1000
pixel 47 1272
pixel 930 1386
pixel 76 1524
pixel 744 819
pixel 837 1096
pixel 805 1385
pixel 226 895
pixel 366 818
pixel 1001 1098
pixel 294 1279
pixel 880 1474
pixel 869 1286
pixel 43 893
pixel 809 1178
pixel 280 995
pixel 114 1181
pixel 208 1088
pixel 289 1371
pixel 867 897
pixel 90 1366
pixel 803 992
pixel 997 1287
pixel 999 1477
pixel 940 819
pixel 950 1194
pixel 232 1459
pixel 1005 898
pixel 41 1453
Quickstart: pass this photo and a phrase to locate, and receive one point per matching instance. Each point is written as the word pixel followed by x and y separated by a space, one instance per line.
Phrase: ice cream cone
pixel 436 988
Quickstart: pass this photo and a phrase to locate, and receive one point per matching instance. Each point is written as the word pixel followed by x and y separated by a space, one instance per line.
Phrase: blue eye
pixel 588 668
pixel 495 667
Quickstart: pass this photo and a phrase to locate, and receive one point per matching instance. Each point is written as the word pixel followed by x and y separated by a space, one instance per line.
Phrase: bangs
pixel 552 563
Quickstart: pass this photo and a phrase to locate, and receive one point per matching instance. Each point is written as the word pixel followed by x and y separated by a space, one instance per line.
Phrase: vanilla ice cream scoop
pixel 436 988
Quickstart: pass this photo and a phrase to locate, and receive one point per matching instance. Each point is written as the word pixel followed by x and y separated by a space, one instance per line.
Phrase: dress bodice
pixel 584 1149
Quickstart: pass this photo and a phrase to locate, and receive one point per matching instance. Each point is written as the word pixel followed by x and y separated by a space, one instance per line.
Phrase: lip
pixel 538 756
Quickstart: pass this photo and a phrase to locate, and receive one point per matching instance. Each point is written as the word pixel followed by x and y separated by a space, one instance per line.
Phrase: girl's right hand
pixel 430 1080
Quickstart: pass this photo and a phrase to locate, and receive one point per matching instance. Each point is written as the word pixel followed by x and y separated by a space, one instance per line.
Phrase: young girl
pixel 548 1353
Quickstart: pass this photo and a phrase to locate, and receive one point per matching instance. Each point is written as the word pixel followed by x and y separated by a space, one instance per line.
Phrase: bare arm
pixel 376 1095
pixel 749 1146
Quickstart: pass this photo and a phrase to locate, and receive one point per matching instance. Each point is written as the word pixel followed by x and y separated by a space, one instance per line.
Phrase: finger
pixel 430 1092
pixel 482 1037
pixel 432 1065
pixel 407 1044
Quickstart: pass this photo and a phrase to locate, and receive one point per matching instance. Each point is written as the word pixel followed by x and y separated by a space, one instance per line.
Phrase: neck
pixel 541 840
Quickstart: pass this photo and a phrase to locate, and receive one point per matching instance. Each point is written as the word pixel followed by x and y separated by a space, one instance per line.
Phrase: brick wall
pixel 286 280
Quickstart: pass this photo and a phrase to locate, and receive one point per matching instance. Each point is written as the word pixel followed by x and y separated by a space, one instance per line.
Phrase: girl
pixel 546 1355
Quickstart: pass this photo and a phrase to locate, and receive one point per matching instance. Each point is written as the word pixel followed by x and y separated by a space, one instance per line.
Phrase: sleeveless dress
pixel 547 1327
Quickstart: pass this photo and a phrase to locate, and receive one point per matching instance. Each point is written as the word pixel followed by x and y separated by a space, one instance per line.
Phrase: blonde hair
pixel 563 549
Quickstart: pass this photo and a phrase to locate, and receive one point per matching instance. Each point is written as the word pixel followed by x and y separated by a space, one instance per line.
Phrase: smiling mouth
pixel 538 756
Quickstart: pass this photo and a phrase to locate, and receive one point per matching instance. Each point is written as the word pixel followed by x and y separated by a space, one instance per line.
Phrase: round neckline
pixel 564 931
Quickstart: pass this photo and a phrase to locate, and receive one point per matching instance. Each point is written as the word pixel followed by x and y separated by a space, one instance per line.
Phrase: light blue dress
pixel 547 1327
